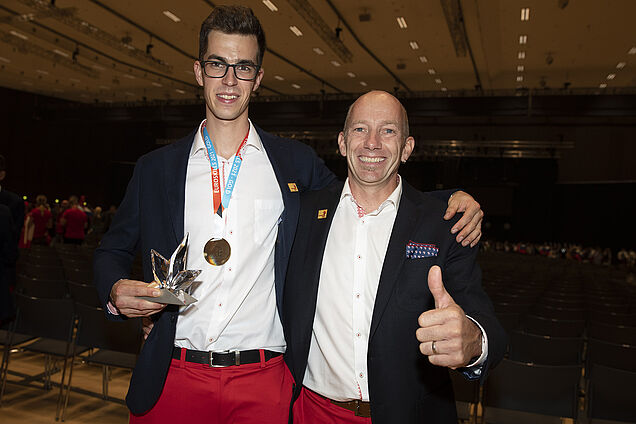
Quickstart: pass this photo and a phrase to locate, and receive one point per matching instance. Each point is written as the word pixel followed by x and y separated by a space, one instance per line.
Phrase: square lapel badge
pixel 292 187
pixel 322 213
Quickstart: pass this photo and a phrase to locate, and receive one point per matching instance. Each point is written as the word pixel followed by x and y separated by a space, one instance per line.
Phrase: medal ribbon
pixel 222 202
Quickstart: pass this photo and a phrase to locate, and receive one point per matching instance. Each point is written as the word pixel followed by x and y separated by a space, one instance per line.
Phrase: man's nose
pixel 230 77
pixel 373 141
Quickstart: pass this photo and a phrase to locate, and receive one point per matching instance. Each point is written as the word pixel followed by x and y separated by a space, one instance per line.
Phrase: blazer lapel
pixel 405 222
pixel 174 172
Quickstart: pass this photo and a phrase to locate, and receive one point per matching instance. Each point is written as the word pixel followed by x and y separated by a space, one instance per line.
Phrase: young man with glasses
pixel 229 183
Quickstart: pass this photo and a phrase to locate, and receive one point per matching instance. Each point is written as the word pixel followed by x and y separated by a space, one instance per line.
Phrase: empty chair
pixel 118 343
pixel 628 320
pixel 613 355
pixel 545 350
pixel 80 275
pixel 611 394
pixel 45 272
pixel 552 327
pixel 49 289
pixel 612 333
pixel 538 389
pixel 47 260
pixel 509 321
pixel 466 395
pixel 84 293
pixel 559 313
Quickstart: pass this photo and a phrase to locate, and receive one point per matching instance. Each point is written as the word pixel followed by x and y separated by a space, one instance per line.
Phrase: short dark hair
pixel 232 20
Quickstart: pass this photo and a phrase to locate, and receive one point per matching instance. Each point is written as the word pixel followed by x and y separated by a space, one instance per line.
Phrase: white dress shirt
pixel 349 278
pixel 236 308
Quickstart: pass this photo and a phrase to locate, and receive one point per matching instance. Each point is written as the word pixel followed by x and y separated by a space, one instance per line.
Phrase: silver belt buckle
pixel 237 358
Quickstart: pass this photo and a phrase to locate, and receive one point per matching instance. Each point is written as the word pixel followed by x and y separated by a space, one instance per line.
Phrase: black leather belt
pixel 224 359
pixel 358 407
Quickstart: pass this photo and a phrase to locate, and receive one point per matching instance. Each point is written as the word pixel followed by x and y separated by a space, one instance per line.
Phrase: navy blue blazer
pixel 403 386
pixel 151 216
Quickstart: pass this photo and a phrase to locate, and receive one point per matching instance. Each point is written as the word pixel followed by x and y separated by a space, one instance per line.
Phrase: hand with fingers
pixel 446 335
pixel 124 295
pixel 147 326
pixel 469 226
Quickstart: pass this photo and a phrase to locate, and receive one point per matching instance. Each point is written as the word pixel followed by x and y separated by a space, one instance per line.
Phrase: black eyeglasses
pixel 218 69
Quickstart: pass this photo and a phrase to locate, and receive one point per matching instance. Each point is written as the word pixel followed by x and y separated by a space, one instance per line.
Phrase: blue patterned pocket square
pixel 420 250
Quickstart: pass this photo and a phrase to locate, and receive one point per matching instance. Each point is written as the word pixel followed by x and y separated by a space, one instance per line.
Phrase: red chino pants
pixel 311 408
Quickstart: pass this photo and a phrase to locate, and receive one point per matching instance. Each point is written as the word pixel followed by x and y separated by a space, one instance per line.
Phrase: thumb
pixel 436 286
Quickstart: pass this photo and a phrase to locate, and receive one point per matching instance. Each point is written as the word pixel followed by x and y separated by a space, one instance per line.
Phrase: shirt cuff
pixel 112 308
pixel 484 348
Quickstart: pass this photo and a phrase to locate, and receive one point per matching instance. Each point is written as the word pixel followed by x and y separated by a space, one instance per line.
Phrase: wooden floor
pixel 33 404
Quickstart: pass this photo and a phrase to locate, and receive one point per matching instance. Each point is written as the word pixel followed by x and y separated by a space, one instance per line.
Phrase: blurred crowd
pixel 596 255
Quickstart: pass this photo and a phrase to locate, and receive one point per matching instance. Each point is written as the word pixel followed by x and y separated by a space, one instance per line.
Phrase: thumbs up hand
pixel 446 335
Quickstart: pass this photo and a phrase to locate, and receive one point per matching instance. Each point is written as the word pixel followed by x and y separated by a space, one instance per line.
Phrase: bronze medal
pixel 217 251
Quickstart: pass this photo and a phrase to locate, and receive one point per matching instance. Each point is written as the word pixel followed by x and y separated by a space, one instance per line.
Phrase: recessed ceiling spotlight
pixel 414 45
pixel 18 34
pixel 444 89
pixel 74 80
pixel 279 78
pixel 178 90
pixel 523 39
pixel 519 78
pixel 104 87
pixel 401 22
pixel 172 16
pixel 362 83
pixel 318 51
pixel 128 93
pixel 423 59
pixel 296 31
pixel 271 6
pixel 335 63
pixel 129 76
pixel 351 74
pixel 156 84
pixel 296 86
pixel 520 68
pixel 438 81
pixel 611 76
pixel 602 85
pixel 61 53
pixel 431 71
pixel 521 55
pixel 620 65
pixel 40 71
pixel 4 59
pixel 632 50
pixel 525 13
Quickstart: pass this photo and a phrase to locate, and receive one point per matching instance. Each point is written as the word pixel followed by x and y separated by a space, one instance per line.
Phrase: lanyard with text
pixel 221 203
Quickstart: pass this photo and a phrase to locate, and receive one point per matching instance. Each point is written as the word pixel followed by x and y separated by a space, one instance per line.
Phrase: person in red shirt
pixel 41 219
pixel 74 221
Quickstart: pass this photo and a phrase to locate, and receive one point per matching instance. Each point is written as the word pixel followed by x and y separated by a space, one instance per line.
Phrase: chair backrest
pixel 545 350
pixel 84 293
pixel 613 318
pixel 621 356
pixel 45 272
pixel 81 275
pixel 49 289
pixel 50 318
pixel 539 389
pixel 465 390
pixel 552 327
pixel 613 333
pixel 95 330
pixel 611 394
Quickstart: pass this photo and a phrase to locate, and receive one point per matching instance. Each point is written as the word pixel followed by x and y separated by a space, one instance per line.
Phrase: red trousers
pixel 311 408
pixel 197 393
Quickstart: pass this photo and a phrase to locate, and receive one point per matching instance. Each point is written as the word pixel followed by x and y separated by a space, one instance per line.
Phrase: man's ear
pixel 342 145
pixel 409 145
pixel 198 73
pixel 258 79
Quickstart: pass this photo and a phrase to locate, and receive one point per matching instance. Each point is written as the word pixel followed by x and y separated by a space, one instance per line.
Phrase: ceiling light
pixel 74 80
pixel 444 89
pixel 104 87
pixel 603 85
pixel 525 13
pixel 423 59
pixel 178 90
pixel 271 6
pixel 632 50
pixel 58 90
pixel 318 51
pixel 519 78
pixel 296 86
pixel 431 71
pixel 438 81
pixel 335 63
pixel 295 30
pixel 129 76
pixel 620 65
pixel 414 45
pixel 156 84
pixel 279 78
pixel 18 34
pixel 611 76
pixel 27 83
pixel 172 16
pixel 401 22
pixel 523 39
pixel 98 67
pixel 362 83
pixel 351 74
pixel 128 93
pixel 4 59
pixel 520 68
pixel 40 71
pixel 521 55
pixel 60 52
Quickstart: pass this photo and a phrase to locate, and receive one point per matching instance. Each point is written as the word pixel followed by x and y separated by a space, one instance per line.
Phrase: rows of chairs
pixel 62 320
pixel 572 347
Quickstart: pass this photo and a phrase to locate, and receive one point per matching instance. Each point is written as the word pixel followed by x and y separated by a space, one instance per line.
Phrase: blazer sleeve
pixel 113 258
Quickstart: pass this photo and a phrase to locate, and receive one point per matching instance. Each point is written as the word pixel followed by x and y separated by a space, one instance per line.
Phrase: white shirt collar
pixel 253 140
pixel 393 199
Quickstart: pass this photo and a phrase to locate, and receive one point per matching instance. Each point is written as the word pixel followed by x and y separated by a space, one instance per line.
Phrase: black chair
pixel 47 260
pixel 537 389
pixel 545 350
pixel 45 272
pixel 611 394
pixel 614 318
pixel 119 344
pixel 53 321
pixel 80 275
pixel 509 321
pixel 621 356
pixel 84 293
pixel 466 396
pixel 552 327
pixel 559 313
pixel 49 289
pixel 619 334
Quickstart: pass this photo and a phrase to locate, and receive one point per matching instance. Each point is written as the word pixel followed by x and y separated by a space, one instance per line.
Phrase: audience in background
pixel 59 228
pixel 38 221
pixel 75 221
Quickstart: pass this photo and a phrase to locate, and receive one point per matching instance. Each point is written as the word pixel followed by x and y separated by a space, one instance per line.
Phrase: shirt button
pixel 211 339
pixel 357 334
pixel 231 232
pixel 361 375
pixel 359 257
pixel 357 295
pixel 229 269
pixel 220 305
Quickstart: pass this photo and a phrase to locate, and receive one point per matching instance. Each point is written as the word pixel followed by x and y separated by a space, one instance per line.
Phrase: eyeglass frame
pixel 228 66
